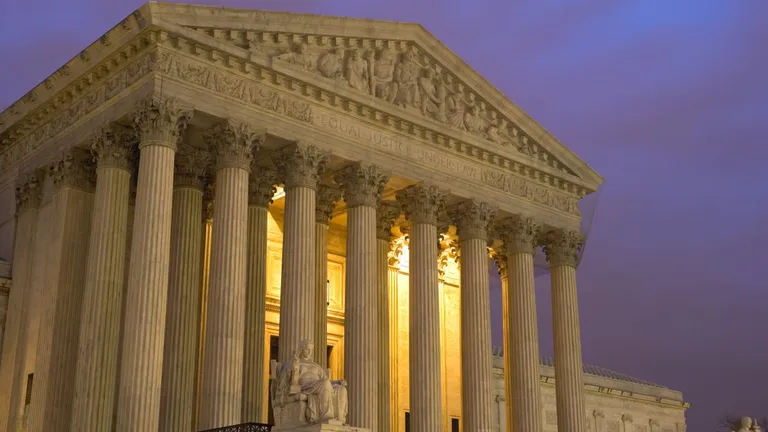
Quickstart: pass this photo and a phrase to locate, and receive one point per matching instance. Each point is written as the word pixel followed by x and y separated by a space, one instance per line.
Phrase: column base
pixel 329 426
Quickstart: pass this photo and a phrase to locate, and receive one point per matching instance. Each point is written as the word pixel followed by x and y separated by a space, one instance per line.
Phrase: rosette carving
pixel 29 190
pixel 472 219
pixel 192 167
pixel 160 121
pixel 233 143
pixel 422 203
pixel 300 165
pixel 562 247
pixel 113 146
pixel 519 234
pixel 386 214
pixel 75 169
pixel 262 186
pixel 361 184
pixel 326 199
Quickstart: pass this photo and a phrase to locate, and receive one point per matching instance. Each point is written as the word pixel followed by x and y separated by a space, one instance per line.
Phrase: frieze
pixel 398 72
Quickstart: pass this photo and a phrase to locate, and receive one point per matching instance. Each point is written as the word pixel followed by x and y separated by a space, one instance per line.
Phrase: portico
pixel 340 157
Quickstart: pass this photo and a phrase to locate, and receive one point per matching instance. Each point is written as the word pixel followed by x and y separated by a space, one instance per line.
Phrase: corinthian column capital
pixel 472 219
pixel 191 167
pixel 386 214
pixel 261 187
pixel 74 169
pixel 501 262
pixel 422 203
pixel 361 184
pixel 112 146
pixel 519 234
pixel 300 165
pixel 160 121
pixel 233 143
pixel 29 190
pixel 327 197
pixel 562 247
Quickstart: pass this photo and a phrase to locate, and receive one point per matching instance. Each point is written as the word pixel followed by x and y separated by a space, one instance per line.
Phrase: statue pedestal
pixel 330 426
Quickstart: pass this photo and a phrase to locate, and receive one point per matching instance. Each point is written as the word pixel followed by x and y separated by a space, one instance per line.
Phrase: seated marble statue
pixel 303 393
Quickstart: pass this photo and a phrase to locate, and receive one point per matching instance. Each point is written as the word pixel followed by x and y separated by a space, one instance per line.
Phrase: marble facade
pixel 204 188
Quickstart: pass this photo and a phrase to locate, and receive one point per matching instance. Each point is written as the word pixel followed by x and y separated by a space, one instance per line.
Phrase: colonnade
pixel 128 358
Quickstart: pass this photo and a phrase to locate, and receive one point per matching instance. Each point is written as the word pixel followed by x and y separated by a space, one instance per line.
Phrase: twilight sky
pixel 668 100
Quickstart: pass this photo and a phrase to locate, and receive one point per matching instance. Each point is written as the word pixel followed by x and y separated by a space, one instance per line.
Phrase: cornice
pixel 71 79
pixel 625 395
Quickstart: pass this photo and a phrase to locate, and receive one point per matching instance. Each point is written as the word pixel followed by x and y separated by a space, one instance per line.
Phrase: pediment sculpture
pixel 749 425
pixel 302 392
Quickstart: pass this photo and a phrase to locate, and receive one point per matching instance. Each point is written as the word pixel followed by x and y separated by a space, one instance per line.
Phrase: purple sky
pixel 667 100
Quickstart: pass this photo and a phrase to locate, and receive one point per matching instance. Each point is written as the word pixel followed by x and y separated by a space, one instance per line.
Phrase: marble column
pixel 56 360
pixel 327 196
pixel 160 123
pixel 472 219
pixel 385 217
pixel 393 275
pixel 300 167
pixel 500 259
pixel 177 396
pixel 5 291
pixel 261 189
pixel 233 144
pixel 562 248
pixel 205 265
pixel 522 360
pixel 361 186
pixel 29 193
pixel 96 375
pixel 422 204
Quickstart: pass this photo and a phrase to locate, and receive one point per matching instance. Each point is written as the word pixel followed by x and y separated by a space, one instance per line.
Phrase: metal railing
pixel 245 427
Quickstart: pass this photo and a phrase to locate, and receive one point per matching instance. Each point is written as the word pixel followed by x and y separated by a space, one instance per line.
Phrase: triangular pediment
pixel 396 65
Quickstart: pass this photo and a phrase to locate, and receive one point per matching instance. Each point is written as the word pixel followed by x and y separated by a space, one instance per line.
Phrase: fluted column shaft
pixel 96 376
pixel 158 122
pixel 177 396
pixel 472 219
pixel 225 328
pixel 325 202
pixel 522 359
pixel 361 185
pixel 385 217
pixel 500 259
pixel 393 274
pixel 300 167
pixel 421 205
pixel 261 189
pixel 28 196
pixel 562 248
pixel 5 291
pixel 205 265
pixel 56 360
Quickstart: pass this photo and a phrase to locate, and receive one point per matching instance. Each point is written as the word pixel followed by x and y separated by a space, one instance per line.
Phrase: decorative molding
pixel 160 121
pixel 29 190
pixel 192 167
pixel 262 186
pixel 233 143
pixel 422 203
pixel 386 214
pixel 472 218
pixel 75 169
pixel 562 247
pixel 230 84
pixel 361 184
pixel 519 234
pixel 300 165
pixel 326 199
pixel 114 146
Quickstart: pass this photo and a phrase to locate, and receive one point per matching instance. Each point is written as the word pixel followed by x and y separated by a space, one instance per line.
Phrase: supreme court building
pixel 203 188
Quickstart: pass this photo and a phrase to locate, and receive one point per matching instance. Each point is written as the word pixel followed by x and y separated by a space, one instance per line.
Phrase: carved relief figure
pixel 357 72
pixel 382 75
pixel 300 57
pixel 474 121
pixel 330 63
pixel 303 393
pixel 454 107
pixel 407 76
pixel 432 96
